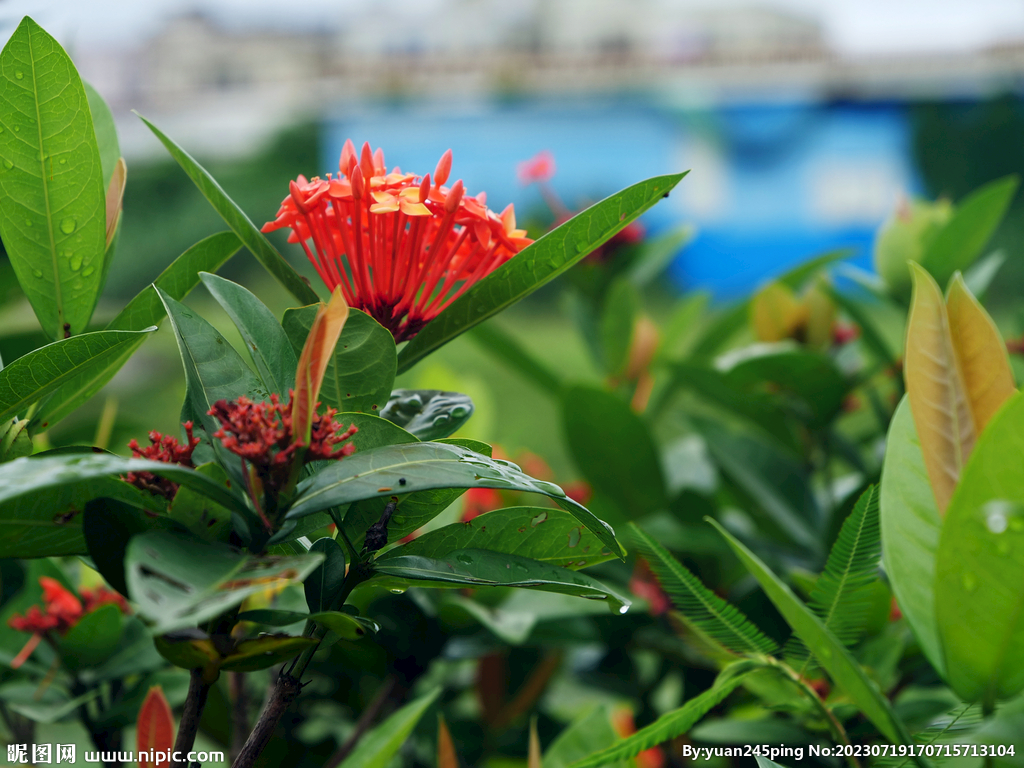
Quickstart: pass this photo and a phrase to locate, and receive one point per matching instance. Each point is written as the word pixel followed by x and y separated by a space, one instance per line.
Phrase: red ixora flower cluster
pixel 261 433
pixel 402 247
pixel 168 450
pixel 61 611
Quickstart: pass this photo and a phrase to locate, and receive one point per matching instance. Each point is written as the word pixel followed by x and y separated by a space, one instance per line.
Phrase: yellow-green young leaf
pixel 980 352
pixel 446 756
pixel 115 197
pixel 533 757
pixel 775 312
pixel 936 390
pixel 316 354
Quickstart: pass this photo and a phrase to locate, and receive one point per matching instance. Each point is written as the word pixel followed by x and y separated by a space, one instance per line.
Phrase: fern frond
pixel 841 597
pixel 960 722
pixel 712 615
pixel 674 723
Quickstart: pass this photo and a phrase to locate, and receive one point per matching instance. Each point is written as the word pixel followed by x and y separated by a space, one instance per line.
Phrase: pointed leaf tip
pixel 446 755
pixel 155 730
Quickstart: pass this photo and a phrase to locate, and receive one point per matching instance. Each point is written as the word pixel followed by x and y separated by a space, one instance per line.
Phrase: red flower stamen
pixel 168 450
pixel 401 248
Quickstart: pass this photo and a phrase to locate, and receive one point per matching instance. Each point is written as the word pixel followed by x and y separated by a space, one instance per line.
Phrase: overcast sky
pixel 852 26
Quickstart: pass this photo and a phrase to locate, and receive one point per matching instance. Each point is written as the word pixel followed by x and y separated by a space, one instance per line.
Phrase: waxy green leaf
pixel 429 414
pixel 52 209
pixel 240 224
pixel 345 625
pixel 324 583
pixel 377 747
pixel 538 264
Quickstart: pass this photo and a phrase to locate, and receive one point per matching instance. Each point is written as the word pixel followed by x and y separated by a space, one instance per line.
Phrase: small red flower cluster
pixel 261 433
pixel 402 247
pixel 168 450
pixel 61 611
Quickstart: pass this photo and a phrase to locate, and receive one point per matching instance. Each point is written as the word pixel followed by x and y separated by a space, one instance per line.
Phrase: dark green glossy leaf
pixel 35 375
pixel 379 746
pixel 483 568
pixel 414 510
pixel 52 199
pixel 106 132
pixel 346 626
pixel 538 264
pixel 833 656
pixel 614 450
pixel 429 414
pixel 324 584
pixel 93 639
pixel 179 581
pixel 264 652
pixel 108 525
pixel 398 469
pixel 374 432
pixel 910 526
pixel 979 566
pixel 539 533
pixel 200 514
pixel 503 345
pixel 362 370
pixel 964 237
pixel 240 224
pixel 264 337
pixel 621 306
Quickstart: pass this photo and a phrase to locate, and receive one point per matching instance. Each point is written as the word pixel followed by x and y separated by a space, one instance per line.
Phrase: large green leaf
pixel 361 371
pixel 399 469
pixel 264 337
pixel 975 220
pixel 93 639
pixel 240 224
pixel 538 264
pixel 377 747
pixel 52 199
pixel 32 475
pixel 178 581
pixel 674 723
pixel 33 376
pixel 614 450
pixel 47 521
pixel 539 533
pixel 324 583
pixel 979 566
pixel 483 568
pixel 833 656
pixel 910 526
pixel 143 311
pixel 106 132
pixel 429 414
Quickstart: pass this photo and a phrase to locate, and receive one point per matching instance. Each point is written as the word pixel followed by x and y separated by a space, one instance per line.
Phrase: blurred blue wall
pixel 770 184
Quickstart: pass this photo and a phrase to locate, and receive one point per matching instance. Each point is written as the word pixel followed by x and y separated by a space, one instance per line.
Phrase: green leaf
pixel 657 254
pixel 827 649
pixel 264 652
pixel 963 238
pixel 539 533
pixel 31 475
pixel 621 307
pixel 47 521
pixel 14 440
pixel 429 414
pixel 377 747
pixel 483 568
pixel 716 618
pixel 593 730
pixel 538 264
pixel 52 198
pixel 23 697
pixel 414 510
pixel 179 581
pixel 107 526
pixel 33 376
pixel 674 723
pixel 491 338
pixel 240 224
pixel 362 370
pixel 263 336
pixel 979 566
pixel 200 514
pixel 399 469
pixel 346 626
pixel 93 639
pixel 910 524
pixel 614 450
pixel 177 281
pixel 324 583
pixel 106 132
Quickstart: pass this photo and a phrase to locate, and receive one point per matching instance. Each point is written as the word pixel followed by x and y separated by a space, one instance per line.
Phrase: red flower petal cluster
pixel 168 450
pixel 97 598
pixel 261 433
pixel 402 247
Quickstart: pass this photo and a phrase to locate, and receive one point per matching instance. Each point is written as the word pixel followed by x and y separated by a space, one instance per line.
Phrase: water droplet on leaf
pixel 37 273
pixel 8 164
pixel 88 271
pixel 19 74
pixel 76 263
pixel 67 225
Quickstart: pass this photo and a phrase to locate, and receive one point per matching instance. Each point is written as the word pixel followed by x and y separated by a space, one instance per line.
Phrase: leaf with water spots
pixel 52 208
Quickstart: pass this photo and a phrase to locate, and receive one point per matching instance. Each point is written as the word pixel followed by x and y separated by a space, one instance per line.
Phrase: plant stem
pixel 286 690
pixel 195 701
pixel 239 712
pixel 364 722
